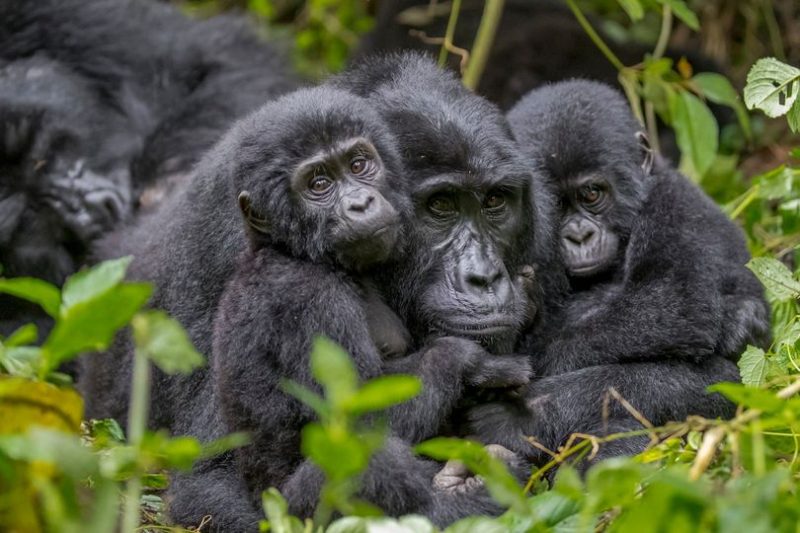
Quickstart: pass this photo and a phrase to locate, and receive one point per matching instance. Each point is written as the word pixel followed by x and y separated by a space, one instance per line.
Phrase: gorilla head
pixel 63 169
pixel 597 158
pixel 317 172
pixel 470 231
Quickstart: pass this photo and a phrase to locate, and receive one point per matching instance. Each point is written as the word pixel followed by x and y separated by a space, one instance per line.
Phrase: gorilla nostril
pixel 484 280
pixel 361 204
pixel 106 206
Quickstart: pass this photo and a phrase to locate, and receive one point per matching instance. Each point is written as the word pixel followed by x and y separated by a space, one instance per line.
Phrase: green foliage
pixel 772 87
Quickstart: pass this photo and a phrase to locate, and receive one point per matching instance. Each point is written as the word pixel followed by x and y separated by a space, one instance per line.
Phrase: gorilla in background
pixel 457 286
pixel 99 100
pixel 661 304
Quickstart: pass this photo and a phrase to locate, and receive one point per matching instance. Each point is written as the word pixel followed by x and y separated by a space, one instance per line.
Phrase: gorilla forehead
pixel 276 138
pixel 576 127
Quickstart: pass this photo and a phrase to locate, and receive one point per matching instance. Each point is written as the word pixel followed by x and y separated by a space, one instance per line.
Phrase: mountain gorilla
pixel 467 239
pixel 83 105
pixel 58 192
pixel 661 302
pixel 319 219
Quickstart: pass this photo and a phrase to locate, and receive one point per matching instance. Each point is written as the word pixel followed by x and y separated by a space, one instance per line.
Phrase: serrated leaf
pixel 718 89
pixel 92 282
pixel 333 369
pixel 775 277
pixel 696 132
pixel 748 396
pixel 383 392
pixel 44 294
pixel 753 366
pixel 164 341
pixel 683 12
pixel 90 325
pixel 772 87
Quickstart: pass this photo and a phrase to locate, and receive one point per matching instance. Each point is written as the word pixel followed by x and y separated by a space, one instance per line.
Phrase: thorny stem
pixel 451 30
pixel 490 19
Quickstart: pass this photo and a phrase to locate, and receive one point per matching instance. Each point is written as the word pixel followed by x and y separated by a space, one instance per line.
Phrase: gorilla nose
pixel 578 234
pixel 105 206
pixel 483 278
pixel 361 203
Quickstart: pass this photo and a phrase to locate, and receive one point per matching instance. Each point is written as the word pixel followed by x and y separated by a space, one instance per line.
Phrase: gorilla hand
pixel 456 477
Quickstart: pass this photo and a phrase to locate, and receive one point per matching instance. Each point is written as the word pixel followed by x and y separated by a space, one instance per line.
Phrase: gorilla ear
pixel 648 153
pixel 253 219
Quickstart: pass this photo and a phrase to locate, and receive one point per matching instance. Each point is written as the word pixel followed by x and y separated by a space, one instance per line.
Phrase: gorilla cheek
pixel 592 256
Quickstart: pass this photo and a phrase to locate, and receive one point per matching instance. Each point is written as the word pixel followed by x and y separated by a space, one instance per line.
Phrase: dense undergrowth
pixel 59 472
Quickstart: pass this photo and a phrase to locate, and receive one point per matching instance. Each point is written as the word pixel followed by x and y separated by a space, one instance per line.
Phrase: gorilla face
pixel 589 244
pixel 326 182
pixel 63 169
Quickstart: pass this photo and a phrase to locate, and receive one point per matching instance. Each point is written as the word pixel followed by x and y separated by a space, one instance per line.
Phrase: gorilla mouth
pixel 585 269
pixel 482 328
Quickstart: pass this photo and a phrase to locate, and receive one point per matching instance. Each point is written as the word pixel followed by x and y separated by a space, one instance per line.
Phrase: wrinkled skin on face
pixel 63 169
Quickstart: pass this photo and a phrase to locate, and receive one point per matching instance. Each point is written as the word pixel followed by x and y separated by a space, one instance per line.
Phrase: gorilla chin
pixel 370 250
pixel 590 259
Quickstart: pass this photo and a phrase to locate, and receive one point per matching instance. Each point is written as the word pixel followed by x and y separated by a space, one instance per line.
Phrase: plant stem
pixel 663 36
pixel 596 39
pixel 137 421
pixel 490 19
pixel 449 32
pixel 652 126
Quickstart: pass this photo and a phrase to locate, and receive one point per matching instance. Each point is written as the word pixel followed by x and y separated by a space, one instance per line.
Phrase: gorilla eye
pixel 441 205
pixel 494 200
pixel 320 184
pixel 590 194
pixel 359 165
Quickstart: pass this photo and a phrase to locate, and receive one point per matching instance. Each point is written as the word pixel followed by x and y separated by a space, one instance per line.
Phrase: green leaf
pixel 92 282
pixel 683 12
pixel 502 486
pixel 164 341
pixel 383 392
pixel 44 294
pixel 333 369
pixel 776 277
pixel 748 396
pixel 21 361
pixel 633 8
pixel 696 131
pixel 27 334
pixel 753 366
pixel 307 396
pixel 772 87
pixel 793 117
pixel 224 444
pixel 91 325
pixel 613 482
pixel 718 89
pixel 338 453
pixel 277 511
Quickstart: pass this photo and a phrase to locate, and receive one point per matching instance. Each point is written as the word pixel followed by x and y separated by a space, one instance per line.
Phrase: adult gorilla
pixel 99 100
pixel 469 238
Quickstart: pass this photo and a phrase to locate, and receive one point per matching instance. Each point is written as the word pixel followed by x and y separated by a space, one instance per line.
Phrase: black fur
pixel 669 315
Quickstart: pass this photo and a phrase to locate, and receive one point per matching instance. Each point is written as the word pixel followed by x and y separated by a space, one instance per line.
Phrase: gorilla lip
pixel 497 327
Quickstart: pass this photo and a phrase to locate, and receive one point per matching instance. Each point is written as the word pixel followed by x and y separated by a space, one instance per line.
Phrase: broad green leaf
pixel 683 12
pixel 793 116
pixel 501 484
pixel 277 511
pixel 164 341
pixel 91 325
pixel 696 131
pixel 27 334
pixel 772 87
pixel 308 397
pixel 333 369
pixel 633 8
pixel 25 403
pixel 753 366
pixel 775 184
pixel 383 392
pixel 776 277
pixel 748 396
pixel 613 482
pixel 224 444
pixel 718 89
pixel 340 454
pixel 61 449
pixel 551 508
pixel 22 361
pixel 92 282
pixel 44 294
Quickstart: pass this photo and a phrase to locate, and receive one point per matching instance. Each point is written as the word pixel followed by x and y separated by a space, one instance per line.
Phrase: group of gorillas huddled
pixel 521 265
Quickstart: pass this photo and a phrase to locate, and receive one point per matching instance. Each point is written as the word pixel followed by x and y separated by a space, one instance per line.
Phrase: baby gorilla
pixel 323 209
pixel 657 270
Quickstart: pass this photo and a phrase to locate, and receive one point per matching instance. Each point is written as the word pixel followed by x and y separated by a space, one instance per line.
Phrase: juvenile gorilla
pixel 322 190
pixel 661 303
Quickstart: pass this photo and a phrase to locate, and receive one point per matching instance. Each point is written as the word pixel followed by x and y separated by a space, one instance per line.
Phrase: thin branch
pixel 663 36
pixel 593 35
pixel 451 30
pixel 492 12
